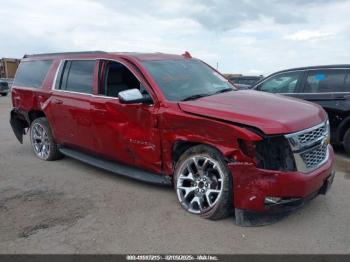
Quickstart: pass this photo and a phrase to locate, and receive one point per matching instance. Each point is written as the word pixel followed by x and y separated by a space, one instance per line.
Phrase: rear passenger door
pixel 70 103
pixel 330 88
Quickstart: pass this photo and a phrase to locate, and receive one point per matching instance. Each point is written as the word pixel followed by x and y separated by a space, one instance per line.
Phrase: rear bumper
pixel 252 185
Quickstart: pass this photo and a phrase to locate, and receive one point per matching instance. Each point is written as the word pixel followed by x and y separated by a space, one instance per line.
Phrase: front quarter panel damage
pixel 177 126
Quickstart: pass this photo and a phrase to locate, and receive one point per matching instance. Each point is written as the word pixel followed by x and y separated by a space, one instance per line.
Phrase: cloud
pixel 241 36
pixel 303 35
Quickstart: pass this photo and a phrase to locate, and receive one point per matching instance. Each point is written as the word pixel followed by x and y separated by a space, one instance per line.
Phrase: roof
pixel 139 56
pixel 314 67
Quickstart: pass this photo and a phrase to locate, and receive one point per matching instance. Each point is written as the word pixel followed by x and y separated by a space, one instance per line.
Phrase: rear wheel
pixel 203 183
pixel 42 140
pixel 346 141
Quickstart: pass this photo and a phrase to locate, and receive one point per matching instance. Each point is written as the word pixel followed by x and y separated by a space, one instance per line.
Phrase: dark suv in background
pixel 328 86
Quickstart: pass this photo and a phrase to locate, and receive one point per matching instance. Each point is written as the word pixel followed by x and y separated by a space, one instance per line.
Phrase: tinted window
pixel 32 73
pixel 77 76
pixel 281 83
pixel 323 81
pixel 347 82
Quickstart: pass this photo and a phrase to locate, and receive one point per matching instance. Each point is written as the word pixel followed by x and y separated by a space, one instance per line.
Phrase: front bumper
pixel 252 185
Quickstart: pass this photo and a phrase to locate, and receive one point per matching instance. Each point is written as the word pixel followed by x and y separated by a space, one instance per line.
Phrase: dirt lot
pixel 69 207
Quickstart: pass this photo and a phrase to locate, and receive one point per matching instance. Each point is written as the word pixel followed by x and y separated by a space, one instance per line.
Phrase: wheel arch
pixel 180 146
pixel 34 114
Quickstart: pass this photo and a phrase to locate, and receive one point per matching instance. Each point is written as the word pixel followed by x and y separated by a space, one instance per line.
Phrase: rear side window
pixel 76 76
pixel 32 73
pixel 325 81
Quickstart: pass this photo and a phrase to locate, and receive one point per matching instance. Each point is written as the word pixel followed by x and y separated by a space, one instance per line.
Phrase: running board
pixel 117 168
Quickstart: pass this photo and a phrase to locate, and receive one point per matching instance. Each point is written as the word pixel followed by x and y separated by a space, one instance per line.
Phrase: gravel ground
pixel 69 207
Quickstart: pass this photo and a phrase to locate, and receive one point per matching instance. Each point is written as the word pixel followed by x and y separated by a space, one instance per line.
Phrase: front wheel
pixel 42 140
pixel 203 183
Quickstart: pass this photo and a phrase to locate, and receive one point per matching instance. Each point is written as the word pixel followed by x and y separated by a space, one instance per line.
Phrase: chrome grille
pixel 312 136
pixel 314 157
pixel 310 147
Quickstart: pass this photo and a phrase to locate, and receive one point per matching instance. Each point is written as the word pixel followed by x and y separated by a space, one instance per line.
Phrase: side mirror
pixel 134 96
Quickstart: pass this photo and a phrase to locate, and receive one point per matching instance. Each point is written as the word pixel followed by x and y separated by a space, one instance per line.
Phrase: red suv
pixel 174 120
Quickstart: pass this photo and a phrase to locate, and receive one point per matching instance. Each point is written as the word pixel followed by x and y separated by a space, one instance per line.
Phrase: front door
pixel 127 133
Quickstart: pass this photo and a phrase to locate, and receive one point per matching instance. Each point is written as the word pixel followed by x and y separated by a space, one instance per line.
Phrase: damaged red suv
pixel 174 120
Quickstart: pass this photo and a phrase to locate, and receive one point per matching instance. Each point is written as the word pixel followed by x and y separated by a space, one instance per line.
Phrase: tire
pixel 203 183
pixel 42 140
pixel 346 141
pixel 3 94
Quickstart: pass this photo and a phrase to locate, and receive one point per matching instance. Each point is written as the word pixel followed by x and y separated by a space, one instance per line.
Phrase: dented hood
pixel 272 114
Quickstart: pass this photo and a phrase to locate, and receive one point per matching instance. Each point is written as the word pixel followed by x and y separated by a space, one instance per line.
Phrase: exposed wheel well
pixel 179 148
pixel 32 115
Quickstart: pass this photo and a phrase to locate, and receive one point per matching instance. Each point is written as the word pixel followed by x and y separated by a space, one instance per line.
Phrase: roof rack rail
pixel 65 53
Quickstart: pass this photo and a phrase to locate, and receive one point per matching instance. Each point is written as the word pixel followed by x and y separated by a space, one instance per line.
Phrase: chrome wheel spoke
pixel 198 201
pixel 187 190
pixel 188 177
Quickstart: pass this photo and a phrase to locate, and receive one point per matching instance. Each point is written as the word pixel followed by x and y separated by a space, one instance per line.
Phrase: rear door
pixel 330 88
pixel 70 102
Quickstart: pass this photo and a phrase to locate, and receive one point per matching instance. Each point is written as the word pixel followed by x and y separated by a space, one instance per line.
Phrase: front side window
pixel 325 81
pixel 77 76
pixel 116 78
pixel 186 79
pixel 281 83
pixel 32 73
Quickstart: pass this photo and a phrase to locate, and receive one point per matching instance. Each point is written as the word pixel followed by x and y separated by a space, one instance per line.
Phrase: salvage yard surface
pixel 66 206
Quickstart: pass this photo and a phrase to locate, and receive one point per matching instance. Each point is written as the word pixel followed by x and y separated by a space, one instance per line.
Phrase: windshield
pixel 186 79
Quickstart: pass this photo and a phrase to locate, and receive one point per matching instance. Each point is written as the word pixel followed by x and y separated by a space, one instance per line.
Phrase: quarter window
pixel 77 76
pixel 324 81
pixel 281 83
pixel 32 73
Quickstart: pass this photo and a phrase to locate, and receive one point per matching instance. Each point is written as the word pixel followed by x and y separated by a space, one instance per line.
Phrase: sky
pixel 248 37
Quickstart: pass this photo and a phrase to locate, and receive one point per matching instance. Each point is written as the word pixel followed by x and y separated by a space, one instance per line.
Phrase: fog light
pixel 272 200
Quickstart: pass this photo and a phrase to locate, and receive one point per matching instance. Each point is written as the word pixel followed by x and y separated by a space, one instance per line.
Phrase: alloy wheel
pixel 40 141
pixel 199 184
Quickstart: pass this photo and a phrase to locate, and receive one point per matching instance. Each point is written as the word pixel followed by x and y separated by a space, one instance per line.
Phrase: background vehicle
pixel 174 120
pixel 4 87
pixel 328 86
pixel 244 82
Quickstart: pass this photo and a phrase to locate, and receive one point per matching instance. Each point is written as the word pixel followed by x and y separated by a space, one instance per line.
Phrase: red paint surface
pixel 145 135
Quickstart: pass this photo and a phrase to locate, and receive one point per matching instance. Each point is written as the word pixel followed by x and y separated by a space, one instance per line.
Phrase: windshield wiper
pixel 193 97
pixel 223 91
